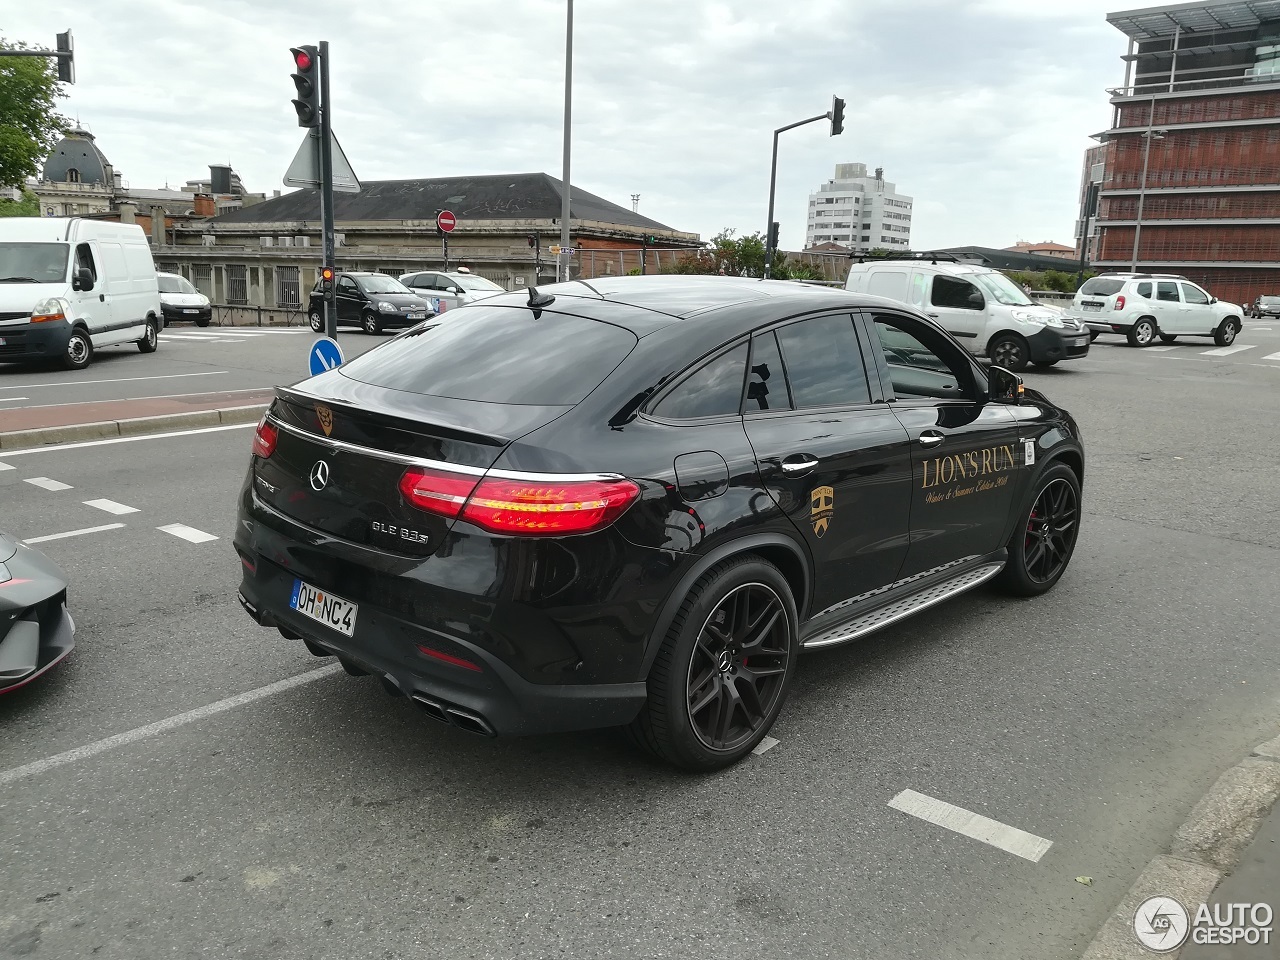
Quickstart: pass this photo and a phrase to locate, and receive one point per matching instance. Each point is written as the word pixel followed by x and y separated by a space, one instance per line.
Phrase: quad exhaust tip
pixel 454 715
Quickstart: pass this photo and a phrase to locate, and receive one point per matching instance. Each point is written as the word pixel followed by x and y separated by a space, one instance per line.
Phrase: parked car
pixel 36 631
pixel 1264 306
pixel 985 310
pixel 650 536
pixel 179 300
pixel 70 286
pixel 449 290
pixel 372 301
pixel 1144 306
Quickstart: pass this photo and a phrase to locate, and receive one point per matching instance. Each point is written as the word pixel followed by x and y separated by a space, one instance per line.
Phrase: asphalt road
pixel 190 360
pixel 328 820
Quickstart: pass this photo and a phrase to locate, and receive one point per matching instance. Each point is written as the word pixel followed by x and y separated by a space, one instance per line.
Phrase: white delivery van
pixel 70 286
pixel 980 307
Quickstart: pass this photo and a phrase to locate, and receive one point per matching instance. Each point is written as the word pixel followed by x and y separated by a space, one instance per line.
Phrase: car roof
pixel 175 276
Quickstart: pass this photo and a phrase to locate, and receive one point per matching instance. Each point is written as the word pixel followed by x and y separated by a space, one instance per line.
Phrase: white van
pixel 981 307
pixel 70 286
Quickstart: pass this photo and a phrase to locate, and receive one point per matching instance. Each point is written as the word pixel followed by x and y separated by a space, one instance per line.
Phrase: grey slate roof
pixel 76 151
pixel 493 197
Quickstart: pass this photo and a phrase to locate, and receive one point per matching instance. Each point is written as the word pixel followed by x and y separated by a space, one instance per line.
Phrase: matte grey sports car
pixel 36 631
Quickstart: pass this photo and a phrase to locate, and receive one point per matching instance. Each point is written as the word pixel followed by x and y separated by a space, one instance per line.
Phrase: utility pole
pixel 836 116
pixel 562 269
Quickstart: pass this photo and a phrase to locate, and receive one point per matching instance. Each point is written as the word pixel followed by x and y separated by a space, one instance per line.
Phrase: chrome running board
pixel 901 609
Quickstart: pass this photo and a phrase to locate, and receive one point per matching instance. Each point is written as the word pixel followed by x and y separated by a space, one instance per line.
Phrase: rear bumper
pixel 1053 344
pixel 172 314
pixel 34 341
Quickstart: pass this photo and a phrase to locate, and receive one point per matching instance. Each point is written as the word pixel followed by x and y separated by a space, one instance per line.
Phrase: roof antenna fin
pixel 538 300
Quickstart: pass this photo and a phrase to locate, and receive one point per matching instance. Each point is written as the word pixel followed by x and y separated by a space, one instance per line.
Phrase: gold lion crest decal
pixel 822 506
pixel 325 416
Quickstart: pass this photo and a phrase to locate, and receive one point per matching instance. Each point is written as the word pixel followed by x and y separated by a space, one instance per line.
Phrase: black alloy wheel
pixel 1042 544
pixel 1142 333
pixel 316 319
pixel 150 340
pixel 1010 351
pixel 722 673
pixel 371 324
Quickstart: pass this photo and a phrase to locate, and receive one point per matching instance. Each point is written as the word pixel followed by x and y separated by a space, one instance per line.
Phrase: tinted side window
pixel 84 258
pixel 921 364
pixel 957 294
pixel 767 384
pixel 347 285
pixel 1192 294
pixel 824 364
pixel 714 390
pixel 1144 290
pixel 1167 290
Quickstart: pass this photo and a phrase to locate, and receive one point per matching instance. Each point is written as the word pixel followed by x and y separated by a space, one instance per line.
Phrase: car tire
pixel 696 716
pixel 1045 537
pixel 1010 351
pixel 316 319
pixel 370 323
pixel 79 351
pixel 1094 335
pixel 1225 335
pixel 1142 333
pixel 1045 363
pixel 202 322
pixel 1168 337
pixel 150 340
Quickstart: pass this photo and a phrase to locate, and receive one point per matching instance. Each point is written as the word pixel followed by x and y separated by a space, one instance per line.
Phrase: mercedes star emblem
pixel 319 475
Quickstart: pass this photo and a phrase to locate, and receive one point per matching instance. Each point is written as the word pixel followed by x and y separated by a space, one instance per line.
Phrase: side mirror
pixel 82 279
pixel 975 300
pixel 1003 386
pixel 453 289
pixel 1213 299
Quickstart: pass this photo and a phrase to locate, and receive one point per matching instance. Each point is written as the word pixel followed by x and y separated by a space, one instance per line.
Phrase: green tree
pixel 28 206
pixel 29 127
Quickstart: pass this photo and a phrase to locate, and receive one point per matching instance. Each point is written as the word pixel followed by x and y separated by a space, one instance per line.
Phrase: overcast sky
pixel 979 109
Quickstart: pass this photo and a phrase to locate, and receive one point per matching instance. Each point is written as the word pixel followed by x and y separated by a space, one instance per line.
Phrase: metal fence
pixel 242 315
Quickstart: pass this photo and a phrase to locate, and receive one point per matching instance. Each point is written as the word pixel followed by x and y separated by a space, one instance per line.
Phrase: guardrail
pixel 252 315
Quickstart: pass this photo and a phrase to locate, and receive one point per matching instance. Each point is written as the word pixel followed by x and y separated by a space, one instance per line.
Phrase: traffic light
pixel 650 241
pixel 837 116
pixel 533 240
pixel 66 58
pixel 326 280
pixel 307 104
pixel 773 235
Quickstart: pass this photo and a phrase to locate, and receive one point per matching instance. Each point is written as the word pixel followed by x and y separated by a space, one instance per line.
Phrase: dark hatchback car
pixel 634 501
pixel 1264 306
pixel 372 301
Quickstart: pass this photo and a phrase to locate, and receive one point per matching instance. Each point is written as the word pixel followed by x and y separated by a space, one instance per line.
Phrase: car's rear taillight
pixel 1120 302
pixel 264 440
pixel 437 491
pixel 536 506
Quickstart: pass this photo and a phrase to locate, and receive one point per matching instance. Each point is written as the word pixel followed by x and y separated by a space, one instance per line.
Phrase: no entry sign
pixel 446 221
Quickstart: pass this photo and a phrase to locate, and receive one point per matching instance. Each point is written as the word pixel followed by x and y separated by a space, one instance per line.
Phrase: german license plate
pixel 333 612
pixel 417 316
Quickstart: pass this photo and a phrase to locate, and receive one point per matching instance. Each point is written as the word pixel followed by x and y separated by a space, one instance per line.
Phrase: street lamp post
pixel 1148 135
pixel 562 261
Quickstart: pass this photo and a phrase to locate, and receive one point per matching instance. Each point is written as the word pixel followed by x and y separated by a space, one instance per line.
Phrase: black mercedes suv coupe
pixel 634 501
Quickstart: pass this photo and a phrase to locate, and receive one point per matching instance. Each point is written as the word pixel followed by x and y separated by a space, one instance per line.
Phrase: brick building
pixel 1192 158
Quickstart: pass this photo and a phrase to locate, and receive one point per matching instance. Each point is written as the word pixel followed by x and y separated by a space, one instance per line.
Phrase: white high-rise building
pixel 858 212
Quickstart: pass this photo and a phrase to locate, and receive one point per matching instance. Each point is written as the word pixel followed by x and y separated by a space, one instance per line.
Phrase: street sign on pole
pixel 556 250
pixel 325 355
pixel 446 221
pixel 304 171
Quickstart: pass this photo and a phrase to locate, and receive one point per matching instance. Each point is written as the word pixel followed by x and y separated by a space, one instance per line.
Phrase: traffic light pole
pixel 773 179
pixel 326 188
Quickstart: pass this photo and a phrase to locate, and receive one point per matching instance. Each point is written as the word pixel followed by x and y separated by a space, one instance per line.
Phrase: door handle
pixel 934 315
pixel 799 466
pixel 931 439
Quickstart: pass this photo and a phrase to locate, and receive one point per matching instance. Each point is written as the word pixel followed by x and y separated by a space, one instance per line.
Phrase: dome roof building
pixel 77 159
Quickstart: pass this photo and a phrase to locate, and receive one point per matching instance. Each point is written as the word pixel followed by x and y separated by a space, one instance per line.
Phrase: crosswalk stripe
pixel 187 533
pixel 111 506
pixel 1161 349
pixel 1272 356
pixel 1227 351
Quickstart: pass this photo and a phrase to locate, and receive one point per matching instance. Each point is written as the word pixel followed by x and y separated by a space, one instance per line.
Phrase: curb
pixel 25 439
pixel 1204 851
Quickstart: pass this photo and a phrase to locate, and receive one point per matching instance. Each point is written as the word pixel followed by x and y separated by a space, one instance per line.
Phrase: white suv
pixel 1143 306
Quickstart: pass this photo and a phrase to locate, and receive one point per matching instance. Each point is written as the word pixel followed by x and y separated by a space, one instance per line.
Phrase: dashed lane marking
pixel 1227 351
pixel 73 533
pixel 110 506
pixel 46 484
pixel 184 532
pixel 84 383
pixel 972 825
pixel 164 726
pixel 12 399
pixel 148 396
pixel 82 444
pixel 765 745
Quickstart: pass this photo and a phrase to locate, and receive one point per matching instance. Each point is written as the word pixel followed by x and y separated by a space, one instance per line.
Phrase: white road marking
pixel 1272 356
pixel 1227 351
pixel 1162 349
pixel 82 444
pixel 765 745
pixel 45 483
pixel 110 506
pixel 73 533
pixel 164 726
pixel 187 533
pixel 148 396
pixel 12 399
pixel 85 383
pixel 972 825
pixel 7 466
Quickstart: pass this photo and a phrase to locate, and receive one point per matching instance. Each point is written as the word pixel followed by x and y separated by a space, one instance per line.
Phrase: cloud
pixel 980 110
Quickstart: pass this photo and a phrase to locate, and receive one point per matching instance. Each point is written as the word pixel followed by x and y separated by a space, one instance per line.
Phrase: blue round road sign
pixel 325 355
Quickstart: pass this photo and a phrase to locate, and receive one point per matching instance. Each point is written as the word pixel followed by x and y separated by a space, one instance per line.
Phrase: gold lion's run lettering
pixel 967 465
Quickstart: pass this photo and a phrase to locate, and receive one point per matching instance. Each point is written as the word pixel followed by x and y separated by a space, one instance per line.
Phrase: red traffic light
pixel 326 274
pixel 302 59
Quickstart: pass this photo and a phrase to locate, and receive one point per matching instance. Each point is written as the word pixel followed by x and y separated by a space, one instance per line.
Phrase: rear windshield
pixel 1269 301
pixel 1102 286
pixel 499 355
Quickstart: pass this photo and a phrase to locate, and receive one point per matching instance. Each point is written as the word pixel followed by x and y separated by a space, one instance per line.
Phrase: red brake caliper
pixel 1031 529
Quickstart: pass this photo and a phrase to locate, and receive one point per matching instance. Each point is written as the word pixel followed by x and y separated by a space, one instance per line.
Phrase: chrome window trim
pixel 438 464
